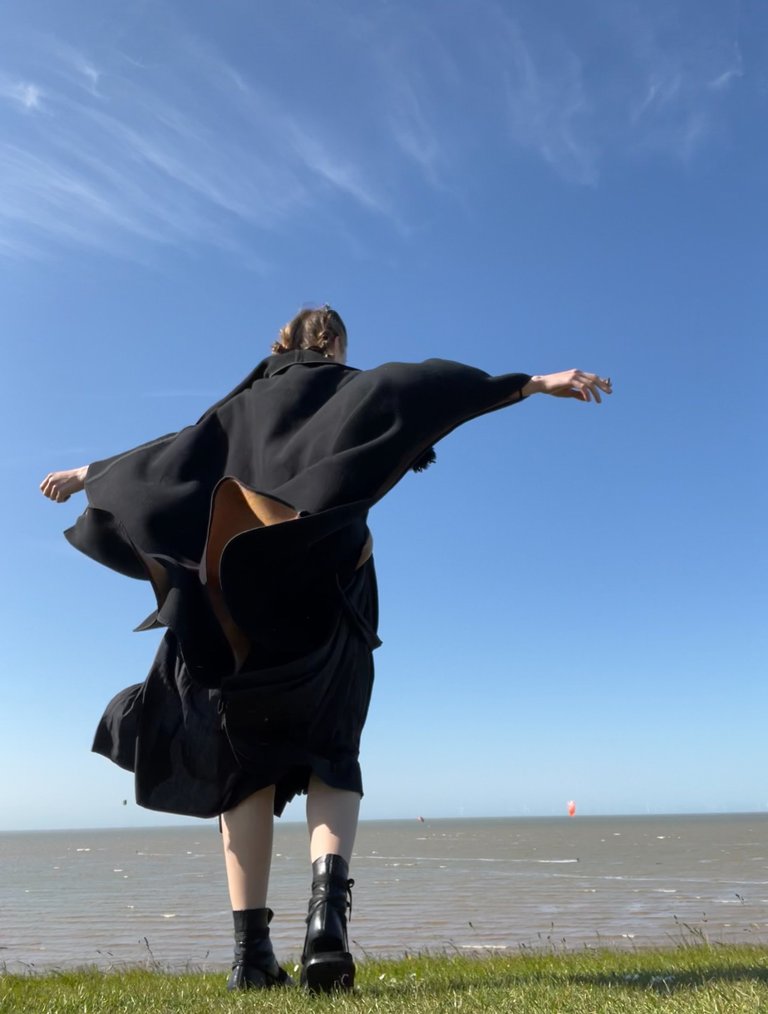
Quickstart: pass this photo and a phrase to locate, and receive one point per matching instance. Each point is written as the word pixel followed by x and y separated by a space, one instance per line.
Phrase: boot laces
pixel 350 885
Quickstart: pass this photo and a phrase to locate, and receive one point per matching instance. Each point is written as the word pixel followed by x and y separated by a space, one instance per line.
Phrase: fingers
pixel 575 384
pixel 587 391
pixel 589 386
pixel 580 385
pixel 55 487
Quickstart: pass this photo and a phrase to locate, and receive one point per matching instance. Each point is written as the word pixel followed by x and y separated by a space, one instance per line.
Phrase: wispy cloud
pixel 323 163
pixel 731 68
pixel 724 80
pixel 112 147
pixel 673 76
pixel 622 82
pixel 137 159
pixel 21 93
pixel 546 103
pixel 66 63
pixel 469 82
pixel 418 79
pixel 306 147
pixel 624 79
pixel 414 130
pixel 661 91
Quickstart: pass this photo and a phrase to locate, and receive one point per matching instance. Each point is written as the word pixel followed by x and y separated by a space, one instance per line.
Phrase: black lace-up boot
pixel 326 963
pixel 255 965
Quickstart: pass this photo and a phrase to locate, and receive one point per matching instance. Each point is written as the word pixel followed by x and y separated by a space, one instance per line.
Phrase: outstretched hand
pixel 59 486
pixel 570 384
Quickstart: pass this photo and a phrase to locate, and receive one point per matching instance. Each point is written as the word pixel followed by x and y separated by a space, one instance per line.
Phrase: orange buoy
pixel 571 808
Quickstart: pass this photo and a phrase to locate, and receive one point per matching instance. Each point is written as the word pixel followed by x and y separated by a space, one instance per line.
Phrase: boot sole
pixel 325 973
pixel 256 978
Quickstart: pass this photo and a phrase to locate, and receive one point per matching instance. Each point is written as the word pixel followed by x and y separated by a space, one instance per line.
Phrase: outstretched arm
pixel 60 486
pixel 570 384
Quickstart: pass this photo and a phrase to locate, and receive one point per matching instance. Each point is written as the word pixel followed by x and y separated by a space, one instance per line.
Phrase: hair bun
pixel 314 330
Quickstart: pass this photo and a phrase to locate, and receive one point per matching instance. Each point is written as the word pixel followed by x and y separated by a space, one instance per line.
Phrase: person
pixel 251 526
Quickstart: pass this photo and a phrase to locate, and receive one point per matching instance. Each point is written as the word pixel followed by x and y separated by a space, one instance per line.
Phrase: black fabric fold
pixel 326 442
pixel 302 429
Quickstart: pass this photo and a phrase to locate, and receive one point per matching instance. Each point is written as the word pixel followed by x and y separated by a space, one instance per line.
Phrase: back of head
pixel 316 330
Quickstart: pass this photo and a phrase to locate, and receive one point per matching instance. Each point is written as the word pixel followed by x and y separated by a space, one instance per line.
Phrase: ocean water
pixel 127 896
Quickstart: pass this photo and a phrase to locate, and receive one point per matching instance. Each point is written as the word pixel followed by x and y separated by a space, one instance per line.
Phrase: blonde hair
pixel 315 330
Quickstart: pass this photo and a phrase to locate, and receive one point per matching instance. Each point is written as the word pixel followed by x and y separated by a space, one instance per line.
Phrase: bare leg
pixel 332 820
pixel 247 833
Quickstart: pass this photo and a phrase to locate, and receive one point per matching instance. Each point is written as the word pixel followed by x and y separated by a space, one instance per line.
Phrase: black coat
pixel 320 442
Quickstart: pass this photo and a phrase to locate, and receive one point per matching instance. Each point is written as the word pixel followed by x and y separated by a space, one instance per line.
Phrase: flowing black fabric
pixel 322 442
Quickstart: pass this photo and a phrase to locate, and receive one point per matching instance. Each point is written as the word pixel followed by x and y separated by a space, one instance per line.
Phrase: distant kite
pixel 571 808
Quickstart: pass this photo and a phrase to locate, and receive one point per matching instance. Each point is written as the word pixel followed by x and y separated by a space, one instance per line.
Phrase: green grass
pixel 688 979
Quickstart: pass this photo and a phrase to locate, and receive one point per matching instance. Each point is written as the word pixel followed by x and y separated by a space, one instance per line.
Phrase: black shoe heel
pixel 326 964
pixel 325 973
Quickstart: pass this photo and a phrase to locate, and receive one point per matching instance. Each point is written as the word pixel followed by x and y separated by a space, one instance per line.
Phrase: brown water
pixel 109 897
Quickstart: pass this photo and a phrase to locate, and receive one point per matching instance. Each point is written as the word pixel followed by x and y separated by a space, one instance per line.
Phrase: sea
pixel 157 896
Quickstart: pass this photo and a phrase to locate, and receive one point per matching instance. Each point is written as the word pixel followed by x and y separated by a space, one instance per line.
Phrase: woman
pixel 251 527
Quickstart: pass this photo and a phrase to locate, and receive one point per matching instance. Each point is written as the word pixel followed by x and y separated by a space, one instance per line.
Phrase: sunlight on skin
pixel 570 384
pixel 59 486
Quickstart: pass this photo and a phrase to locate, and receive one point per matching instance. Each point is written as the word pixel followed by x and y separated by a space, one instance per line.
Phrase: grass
pixel 691 979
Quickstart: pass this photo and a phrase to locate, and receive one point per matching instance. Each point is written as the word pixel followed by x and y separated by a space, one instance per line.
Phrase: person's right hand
pixel 59 486
pixel 570 384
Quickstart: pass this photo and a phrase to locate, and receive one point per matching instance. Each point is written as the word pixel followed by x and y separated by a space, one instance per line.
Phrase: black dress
pixel 251 527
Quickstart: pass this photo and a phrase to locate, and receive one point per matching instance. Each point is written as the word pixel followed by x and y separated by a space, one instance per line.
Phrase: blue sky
pixel 573 598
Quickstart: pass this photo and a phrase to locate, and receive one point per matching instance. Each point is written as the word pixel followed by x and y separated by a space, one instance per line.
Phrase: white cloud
pixel 547 105
pixel 135 161
pixel 413 129
pixel 67 63
pixel 23 93
pixel 318 158
pixel 724 80
pixel 418 79
pixel 139 151
pixel 661 91
pixel 673 73
pixel 314 147
pixel 13 247
pixel 90 74
pixel 456 85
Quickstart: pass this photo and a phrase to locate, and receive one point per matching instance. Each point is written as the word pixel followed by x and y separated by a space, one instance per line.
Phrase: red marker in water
pixel 571 809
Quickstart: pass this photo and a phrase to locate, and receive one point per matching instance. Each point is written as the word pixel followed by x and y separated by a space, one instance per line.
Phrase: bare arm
pixel 570 384
pixel 60 486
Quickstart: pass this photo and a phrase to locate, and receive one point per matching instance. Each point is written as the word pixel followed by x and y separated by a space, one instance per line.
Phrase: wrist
pixel 534 386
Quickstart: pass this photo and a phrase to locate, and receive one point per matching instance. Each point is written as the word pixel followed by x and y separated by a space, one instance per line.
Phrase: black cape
pixel 313 444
